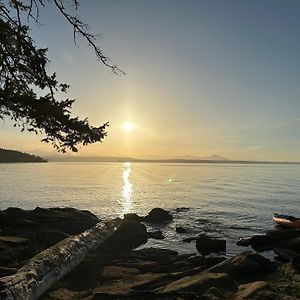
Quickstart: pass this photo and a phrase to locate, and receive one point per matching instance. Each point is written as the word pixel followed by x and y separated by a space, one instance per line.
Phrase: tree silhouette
pixel 24 77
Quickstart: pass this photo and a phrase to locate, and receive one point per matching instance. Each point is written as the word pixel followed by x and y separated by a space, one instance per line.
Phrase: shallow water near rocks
pixel 222 200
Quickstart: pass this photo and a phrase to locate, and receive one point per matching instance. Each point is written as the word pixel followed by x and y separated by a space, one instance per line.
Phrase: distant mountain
pixel 13 156
pixel 217 157
pixel 212 157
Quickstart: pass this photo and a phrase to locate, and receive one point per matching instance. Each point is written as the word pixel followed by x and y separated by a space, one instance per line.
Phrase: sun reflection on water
pixel 127 189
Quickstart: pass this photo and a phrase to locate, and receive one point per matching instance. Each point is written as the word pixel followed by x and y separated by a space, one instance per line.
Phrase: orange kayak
pixel 286 221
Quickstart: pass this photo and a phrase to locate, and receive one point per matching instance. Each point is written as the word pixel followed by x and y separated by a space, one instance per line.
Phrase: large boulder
pixel 206 245
pixel 245 267
pixel 129 235
pixel 158 215
pixel 68 220
pixel 270 239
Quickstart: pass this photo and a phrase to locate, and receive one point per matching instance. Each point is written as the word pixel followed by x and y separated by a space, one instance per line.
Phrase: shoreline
pixel 116 271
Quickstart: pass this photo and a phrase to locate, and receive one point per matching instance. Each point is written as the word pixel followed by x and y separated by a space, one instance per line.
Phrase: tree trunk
pixel 47 267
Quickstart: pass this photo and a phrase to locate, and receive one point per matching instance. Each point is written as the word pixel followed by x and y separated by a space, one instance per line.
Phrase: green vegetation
pixel 286 285
pixel 28 94
pixel 13 156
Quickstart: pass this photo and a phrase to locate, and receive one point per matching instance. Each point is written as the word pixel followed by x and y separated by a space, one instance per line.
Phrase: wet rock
pixel 190 239
pixel 181 209
pixel 245 267
pixel 158 235
pixel 270 239
pixel 245 242
pixel 133 217
pixel 158 215
pixel 206 245
pixel 180 229
pixel 285 254
pixel 200 283
pixel 129 235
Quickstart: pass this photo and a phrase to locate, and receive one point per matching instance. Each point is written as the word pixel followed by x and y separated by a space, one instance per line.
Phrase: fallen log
pixel 43 270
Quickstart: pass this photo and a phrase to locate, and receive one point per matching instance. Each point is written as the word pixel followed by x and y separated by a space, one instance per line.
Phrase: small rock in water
pixel 181 209
pixel 133 217
pixel 158 235
pixel 206 245
pixel 158 215
pixel 190 239
pixel 180 229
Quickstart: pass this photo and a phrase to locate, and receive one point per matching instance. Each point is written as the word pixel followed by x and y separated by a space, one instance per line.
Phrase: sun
pixel 127 126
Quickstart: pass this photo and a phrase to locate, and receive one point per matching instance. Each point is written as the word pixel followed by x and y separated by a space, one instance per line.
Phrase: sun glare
pixel 127 126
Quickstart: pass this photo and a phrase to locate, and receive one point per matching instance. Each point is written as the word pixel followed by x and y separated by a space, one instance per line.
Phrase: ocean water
pixel 223 200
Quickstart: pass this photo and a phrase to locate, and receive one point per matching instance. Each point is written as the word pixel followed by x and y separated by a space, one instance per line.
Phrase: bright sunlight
pixel 127 126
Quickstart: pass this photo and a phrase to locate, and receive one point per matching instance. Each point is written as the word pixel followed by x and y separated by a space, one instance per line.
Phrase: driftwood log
pixel 43 270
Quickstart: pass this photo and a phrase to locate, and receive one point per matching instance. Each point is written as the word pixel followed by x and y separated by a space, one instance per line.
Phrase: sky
pixel 202 77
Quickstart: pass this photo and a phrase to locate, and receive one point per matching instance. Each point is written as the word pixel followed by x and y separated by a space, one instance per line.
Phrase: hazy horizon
pixel 202 78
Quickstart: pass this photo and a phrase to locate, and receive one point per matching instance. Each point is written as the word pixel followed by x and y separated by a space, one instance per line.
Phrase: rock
pixel 68 220
pixel 129 235
pixel 161 269
pixel 117 272
pixel 158 235
pixel 132 217
pixel 295 261
pixel 245 242
pixel 206 245
pixel 181 209
pixel 142 265
pixel 293 244
pixel 180 229
pixel 151 253
pixel 49 238
pixel 127 286
pixel 13 241
pixel 65 293
pixel 196 260
pixel 285 254
pixel 245 267
pixel 158 215
pixel 258 290
pixel 268 240
pixel 190 239
pixel 200 283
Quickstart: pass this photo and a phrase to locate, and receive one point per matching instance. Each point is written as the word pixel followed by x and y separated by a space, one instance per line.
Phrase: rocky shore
pixel 118 269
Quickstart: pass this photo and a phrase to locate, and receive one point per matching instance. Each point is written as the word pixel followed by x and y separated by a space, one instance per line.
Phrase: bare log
pixel 42 271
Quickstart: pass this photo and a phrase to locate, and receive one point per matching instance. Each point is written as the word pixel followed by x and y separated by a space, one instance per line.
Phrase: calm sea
pixel 223 200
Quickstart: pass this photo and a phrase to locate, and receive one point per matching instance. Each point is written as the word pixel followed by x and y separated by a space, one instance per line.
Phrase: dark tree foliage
pixel 24 77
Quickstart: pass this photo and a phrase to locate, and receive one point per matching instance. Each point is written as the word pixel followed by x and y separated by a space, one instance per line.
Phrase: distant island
pixel 214 159
pixel 13 156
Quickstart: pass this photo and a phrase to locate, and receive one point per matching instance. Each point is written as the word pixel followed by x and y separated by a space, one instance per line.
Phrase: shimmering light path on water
pixel 224 200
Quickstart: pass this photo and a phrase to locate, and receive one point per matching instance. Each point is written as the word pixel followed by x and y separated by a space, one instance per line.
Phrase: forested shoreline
pixel 14 156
